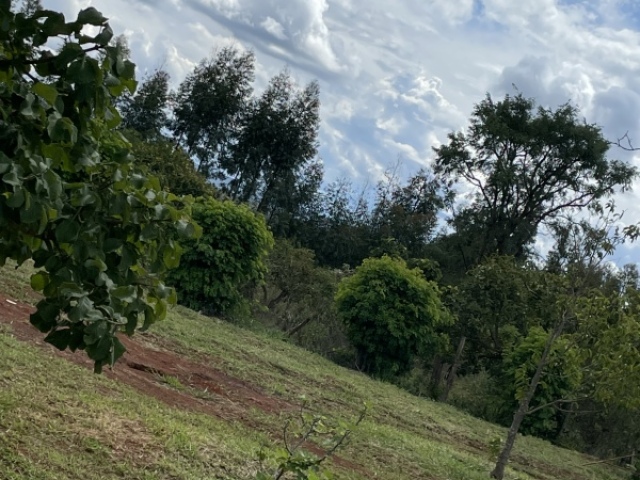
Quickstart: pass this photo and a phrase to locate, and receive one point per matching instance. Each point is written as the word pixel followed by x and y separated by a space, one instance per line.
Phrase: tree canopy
pixel 526 165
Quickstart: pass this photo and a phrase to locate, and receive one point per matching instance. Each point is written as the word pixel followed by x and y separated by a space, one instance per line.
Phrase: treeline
pixel 440 293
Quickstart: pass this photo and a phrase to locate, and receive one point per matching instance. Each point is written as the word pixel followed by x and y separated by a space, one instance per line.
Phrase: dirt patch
pixel 158 372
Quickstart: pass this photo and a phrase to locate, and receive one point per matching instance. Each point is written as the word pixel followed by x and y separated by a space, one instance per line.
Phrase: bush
pixel 171 165
pixel 476 395
pixel 391 313
pixel 561 377
pixel 297 298
pixel 230 254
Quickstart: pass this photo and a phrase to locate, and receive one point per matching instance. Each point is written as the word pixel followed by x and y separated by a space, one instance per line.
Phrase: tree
pixel 562 376
pixel 526 167
pixel 145 112
pixel 408 213
pixel 608 343
pixel 498 301
pixel 278 141
pixel 336 226
pixel 101 232
pixel 209 107
pixel 172 166
pixel 527 394
pixel 391 313
pixel 230 254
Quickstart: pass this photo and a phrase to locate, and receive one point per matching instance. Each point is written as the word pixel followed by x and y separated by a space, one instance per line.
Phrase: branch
pixel 608 460
pixel 5 64
pixel 555 403
pixel 626 139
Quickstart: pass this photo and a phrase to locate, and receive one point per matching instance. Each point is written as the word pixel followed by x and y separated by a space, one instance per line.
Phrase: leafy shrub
pixel 100 231
pixel 229 255
pixel 560 378
pixel 476 395
pixel 391 313
pixel 297 298
pixel 171 165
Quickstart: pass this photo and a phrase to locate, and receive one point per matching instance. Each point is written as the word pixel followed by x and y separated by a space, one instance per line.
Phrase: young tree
pixel 230 254
pixel 101 232
pixel 391 314
pixel 570 311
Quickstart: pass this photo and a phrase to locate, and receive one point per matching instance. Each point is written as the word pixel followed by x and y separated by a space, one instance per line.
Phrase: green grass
pixel 59 421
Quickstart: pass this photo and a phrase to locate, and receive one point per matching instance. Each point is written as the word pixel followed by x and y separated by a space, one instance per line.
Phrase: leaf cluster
pixel 101 232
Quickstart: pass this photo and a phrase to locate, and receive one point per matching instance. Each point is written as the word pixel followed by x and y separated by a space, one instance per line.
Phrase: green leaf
pixel 161 310
pixel 32 213
pixel 112 244
pixel 105 36
pixel 12 178
pixel 39 281
pixel 54 25
pixel 16 200
pixel 91 16
pixel 67 231
pixel 171 257
pixel 82 311
pixel 46 316
pixel 95 332
pixel 117 351
pixel 126 293
pixel 49 93
pixel 53 184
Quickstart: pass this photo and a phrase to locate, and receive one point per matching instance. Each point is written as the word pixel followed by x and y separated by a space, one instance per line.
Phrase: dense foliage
pixel 391 313
pixel 101 231
pixel 562 377
pixel 229 255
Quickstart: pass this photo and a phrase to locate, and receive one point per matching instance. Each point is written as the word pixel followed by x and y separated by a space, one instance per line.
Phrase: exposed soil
pixel 158 372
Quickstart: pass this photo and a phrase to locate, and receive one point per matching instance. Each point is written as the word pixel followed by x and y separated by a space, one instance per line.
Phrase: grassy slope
pixel 59 421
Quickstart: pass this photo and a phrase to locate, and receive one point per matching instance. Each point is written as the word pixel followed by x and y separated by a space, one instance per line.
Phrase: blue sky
pixel 396 76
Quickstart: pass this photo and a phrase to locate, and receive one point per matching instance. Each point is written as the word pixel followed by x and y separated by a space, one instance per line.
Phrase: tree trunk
pixel 436 375
pixel 452 372
pixel 300 326
pixel 523 407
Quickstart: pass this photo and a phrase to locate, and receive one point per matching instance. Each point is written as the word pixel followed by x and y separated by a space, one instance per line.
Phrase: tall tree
pixel 278 141
pixel 145 112
pixel 209 107
pixel 526 166
pixel 408 213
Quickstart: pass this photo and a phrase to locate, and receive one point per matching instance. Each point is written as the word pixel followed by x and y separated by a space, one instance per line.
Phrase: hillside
pixel 197 398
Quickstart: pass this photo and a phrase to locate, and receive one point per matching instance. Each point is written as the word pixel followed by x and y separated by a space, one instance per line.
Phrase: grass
pixel 59 421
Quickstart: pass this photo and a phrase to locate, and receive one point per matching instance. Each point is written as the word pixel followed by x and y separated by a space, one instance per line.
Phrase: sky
pixel 397 75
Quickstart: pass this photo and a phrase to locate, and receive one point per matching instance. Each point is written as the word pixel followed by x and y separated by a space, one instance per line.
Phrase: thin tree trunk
pixel 300 326
pixel 436 375
pixel 523 407
pixel 452 372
